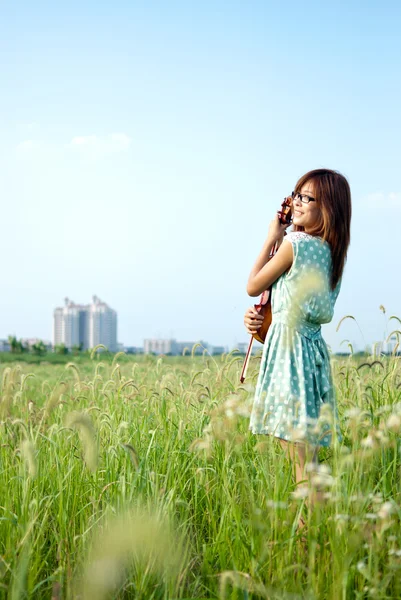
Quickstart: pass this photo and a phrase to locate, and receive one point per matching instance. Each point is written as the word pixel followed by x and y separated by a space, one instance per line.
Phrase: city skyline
pixel 85 326
pixel 173 347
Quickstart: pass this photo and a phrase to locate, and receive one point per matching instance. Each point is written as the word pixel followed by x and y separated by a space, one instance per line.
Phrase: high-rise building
pixel 58 326
pixel 102 325
pixel 85 324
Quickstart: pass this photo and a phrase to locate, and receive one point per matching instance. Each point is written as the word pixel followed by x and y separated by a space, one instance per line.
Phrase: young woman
pixel 295 378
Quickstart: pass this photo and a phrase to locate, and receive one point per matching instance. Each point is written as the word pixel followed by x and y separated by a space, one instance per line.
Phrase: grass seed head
pixel 28 453
pixel 134 538
pixel 83 424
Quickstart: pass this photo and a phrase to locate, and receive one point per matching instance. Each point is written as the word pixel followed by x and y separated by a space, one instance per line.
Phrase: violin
pixel 264 307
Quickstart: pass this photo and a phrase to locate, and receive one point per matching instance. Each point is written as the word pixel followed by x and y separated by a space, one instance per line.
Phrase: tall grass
pixel 123 479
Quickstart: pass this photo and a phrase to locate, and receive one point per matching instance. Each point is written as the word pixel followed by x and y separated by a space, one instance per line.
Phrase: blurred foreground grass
pixel 138 478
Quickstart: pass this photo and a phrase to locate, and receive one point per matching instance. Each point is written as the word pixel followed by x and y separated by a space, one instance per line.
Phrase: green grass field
pixel 137 478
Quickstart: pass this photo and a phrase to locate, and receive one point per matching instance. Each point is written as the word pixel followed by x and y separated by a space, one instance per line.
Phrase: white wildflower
pixel 353 413
pixel 300 493
pixel 276 505
pixel 310 467
pixel 322 480
pixel 122 425
pixel 386 510
pixel 393 422
pixel 361 565
pixel 381 437
pixel 298 434
pixel 231 402
pixel 244 410
pixel 332 497
pixel 397 407
pixel 368 442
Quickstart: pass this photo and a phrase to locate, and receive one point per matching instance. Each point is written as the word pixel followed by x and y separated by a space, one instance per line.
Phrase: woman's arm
pixel 265 271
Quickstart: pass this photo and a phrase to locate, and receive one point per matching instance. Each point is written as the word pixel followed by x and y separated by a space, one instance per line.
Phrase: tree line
pixel 39 348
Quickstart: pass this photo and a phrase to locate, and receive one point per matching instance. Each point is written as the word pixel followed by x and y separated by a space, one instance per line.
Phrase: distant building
pixel 85 324
pixel 377 348
pixel 215 350
pixel 102 325
pixel 133 349
pixel 166 346
pixel 71 325
pixel 189 345
pixel 160 346
pixel 4 346
pixel 392 344
pixel 243 347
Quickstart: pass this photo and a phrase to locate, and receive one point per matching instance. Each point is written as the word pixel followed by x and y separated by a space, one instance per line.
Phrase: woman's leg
pixel 300 455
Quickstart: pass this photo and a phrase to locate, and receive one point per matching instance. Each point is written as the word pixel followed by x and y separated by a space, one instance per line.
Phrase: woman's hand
pixel 276 230
pixel 252 320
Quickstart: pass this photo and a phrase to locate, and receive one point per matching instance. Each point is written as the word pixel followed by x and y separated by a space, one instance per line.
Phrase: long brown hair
pixel 333 196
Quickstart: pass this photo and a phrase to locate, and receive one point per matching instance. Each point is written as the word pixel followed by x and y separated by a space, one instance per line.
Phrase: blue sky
pixel 146 146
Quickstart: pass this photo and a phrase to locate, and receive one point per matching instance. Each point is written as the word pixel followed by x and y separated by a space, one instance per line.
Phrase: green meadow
pixel 136 477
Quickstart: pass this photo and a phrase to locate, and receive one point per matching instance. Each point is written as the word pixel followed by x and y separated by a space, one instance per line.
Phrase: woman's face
pixel 305 215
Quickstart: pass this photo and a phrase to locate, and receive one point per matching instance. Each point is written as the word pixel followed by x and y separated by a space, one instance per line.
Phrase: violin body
pixel 264 307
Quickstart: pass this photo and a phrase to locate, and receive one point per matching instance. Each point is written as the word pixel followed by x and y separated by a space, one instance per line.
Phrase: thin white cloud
pixel 94 146
pixel 381 200
pixel 28 128
pixel 375 198
pixel 395 198
pixel 87 146
pixel 27 146
pixel 81 141
pixel 122 140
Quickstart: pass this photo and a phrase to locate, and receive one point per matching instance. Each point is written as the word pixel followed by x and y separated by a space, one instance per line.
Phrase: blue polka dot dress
pixel 295 379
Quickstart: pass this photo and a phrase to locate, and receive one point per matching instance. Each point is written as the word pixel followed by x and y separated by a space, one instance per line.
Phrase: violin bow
pixel 285 216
